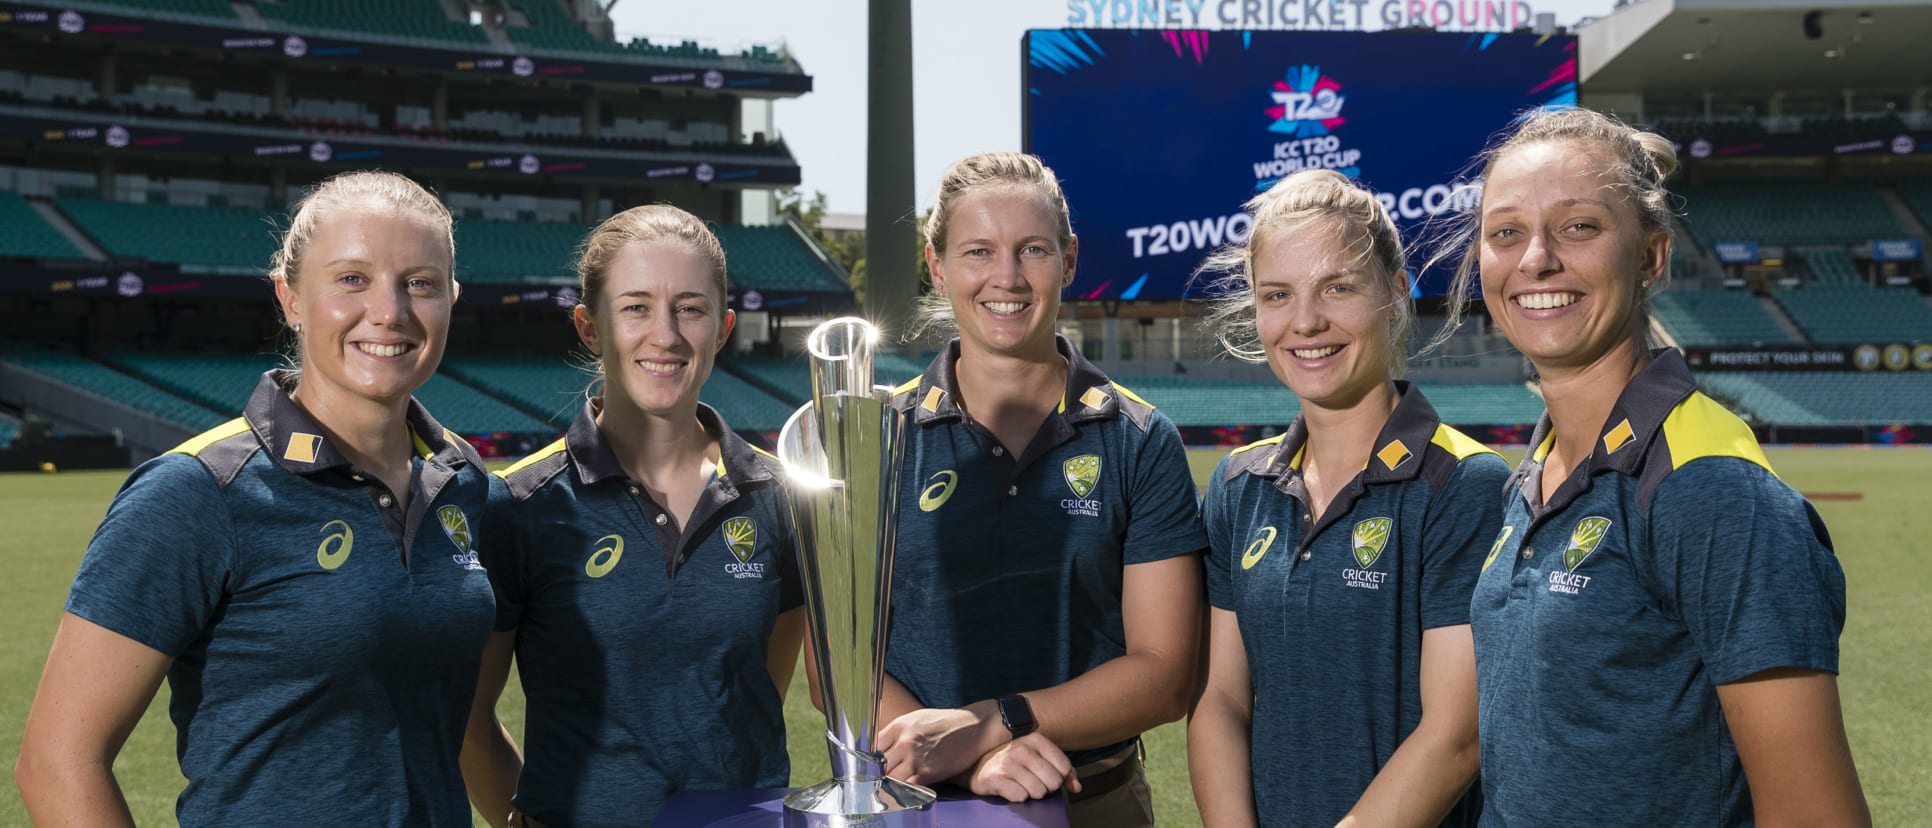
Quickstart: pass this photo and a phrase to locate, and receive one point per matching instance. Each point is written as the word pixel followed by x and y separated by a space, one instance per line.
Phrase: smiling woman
pixel 620 683
pixel 202 571
pixel 1046 593
pixel 1711 628
pixel 1368 485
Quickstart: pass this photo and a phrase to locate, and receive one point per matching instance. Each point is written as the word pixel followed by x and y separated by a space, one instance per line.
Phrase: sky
pixel 966 73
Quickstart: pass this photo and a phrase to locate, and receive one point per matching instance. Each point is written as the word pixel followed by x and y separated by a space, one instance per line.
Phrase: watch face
pixel 1017 714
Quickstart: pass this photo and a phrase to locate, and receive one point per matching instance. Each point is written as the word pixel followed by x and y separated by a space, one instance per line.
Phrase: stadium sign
pixel 1737 252
pixel 1895 356
pixel 1897 250
pixel 1158 138
pixel 1323 15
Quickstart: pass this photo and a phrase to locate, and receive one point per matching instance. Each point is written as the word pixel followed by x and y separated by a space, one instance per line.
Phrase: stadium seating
pixel 105 382
pixel 1849 314
pixel 23 233
pixel 551 28
pixel 791 376
pixel 553 387
pixel 1484 403
pixel 556 387
pixel 1832 265
pixel 776 258
pixel 1788 212
pixel 421 22
pixel 175 8
pixel 9 429
pixel 510 251
pixel 221 382
pixel 1699 318
pixel 1918 194
pixel 1823 398
pixel 220 239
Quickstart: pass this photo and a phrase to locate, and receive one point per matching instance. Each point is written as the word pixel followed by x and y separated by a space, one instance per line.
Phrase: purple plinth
pixel 763 808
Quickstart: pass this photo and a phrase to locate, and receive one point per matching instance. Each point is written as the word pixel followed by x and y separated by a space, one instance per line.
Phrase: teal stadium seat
pixel 1192 401
pixel 418 21
pixel 1788 212
pixel 1852 314
pixel 776 258
pixel 25 234
pixel 220 9
pixel 556 386
pixel 517 251
pixel 1825 398
pixel 110 385
pixel 1832 265
pixel 1701 318
pixel 230 240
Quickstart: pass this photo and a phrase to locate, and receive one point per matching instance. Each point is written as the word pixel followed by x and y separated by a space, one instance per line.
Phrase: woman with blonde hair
pixel 1657 622
pixel 305 576
pixel 647 583
pixel 1046 594
pixel 1341 682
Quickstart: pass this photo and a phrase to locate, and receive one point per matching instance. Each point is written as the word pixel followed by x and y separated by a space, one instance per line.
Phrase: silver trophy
pixel 841 455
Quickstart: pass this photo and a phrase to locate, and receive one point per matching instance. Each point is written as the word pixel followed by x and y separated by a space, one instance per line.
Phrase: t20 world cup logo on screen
pixel 1307 103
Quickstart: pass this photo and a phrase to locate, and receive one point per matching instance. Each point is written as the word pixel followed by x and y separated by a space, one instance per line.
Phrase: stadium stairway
pixel 1909 218
pixel 66 229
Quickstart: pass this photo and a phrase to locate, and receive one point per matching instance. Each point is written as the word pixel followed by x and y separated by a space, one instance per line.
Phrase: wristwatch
pixel 1017 715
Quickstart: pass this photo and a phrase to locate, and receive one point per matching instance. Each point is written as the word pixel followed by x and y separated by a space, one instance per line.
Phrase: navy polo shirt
pixel 1007 573
pixel 325 638
pixel 641 645
pixel 1672 561
pixel 1332 610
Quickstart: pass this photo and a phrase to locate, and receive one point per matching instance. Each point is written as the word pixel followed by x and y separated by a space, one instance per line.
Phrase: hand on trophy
pixel 1030 767
pixel 932 745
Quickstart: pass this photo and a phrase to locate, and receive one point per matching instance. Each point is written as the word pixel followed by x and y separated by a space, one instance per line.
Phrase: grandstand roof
pixel 1756 44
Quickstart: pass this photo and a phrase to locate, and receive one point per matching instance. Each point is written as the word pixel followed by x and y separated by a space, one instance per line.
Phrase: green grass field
pixel 1886 654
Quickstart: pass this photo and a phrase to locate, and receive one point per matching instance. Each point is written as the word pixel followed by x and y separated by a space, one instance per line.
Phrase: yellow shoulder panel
pixel 1458 444
pixel 1131 395
pixel 535 456
pixel 195 444
pixel 907 386
pixel 768 455
pixel 1700 427
pixel 1271 441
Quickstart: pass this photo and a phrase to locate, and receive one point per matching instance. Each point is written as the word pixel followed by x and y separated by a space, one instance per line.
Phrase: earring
pixel 1646 284
pixel 298 328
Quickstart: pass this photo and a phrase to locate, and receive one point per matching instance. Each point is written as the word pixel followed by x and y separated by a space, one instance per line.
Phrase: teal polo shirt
pixel 642 645
pixel 1332 609
pixel 325 638
pixel 1007 573
pixel 1671 562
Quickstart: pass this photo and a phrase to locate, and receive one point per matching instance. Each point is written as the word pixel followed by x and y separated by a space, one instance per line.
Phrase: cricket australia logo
pixel 457 526
pixel 741 537
pixel 1082 474
pixel 1584 540
pixel 1367 541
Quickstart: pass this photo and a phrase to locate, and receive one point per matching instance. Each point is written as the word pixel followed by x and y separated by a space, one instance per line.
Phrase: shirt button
pixel 357 478
pixel 633 491
pixel 1012 491
pixel 1308 553
pixel 386 501
pixel 1528 553
pixel 999 451
pixel 661 520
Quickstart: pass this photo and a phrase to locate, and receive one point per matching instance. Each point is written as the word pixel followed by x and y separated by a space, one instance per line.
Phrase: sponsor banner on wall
pixel 1878 143
pixel 89 26
pixel 1895 356
pixel 1897 250
pixel 110 134
pixel 1159 137
pixel 1737 252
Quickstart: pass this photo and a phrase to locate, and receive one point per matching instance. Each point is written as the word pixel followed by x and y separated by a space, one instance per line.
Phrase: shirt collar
pixel 1635 420
pixel 297 443
pixel 1088 396
pixel 596 461
pixel 1398 447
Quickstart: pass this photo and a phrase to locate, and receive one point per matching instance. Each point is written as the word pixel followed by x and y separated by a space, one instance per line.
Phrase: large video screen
pixel 1159 137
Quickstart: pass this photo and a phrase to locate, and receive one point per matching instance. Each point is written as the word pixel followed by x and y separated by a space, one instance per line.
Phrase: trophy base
pixel 860 803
